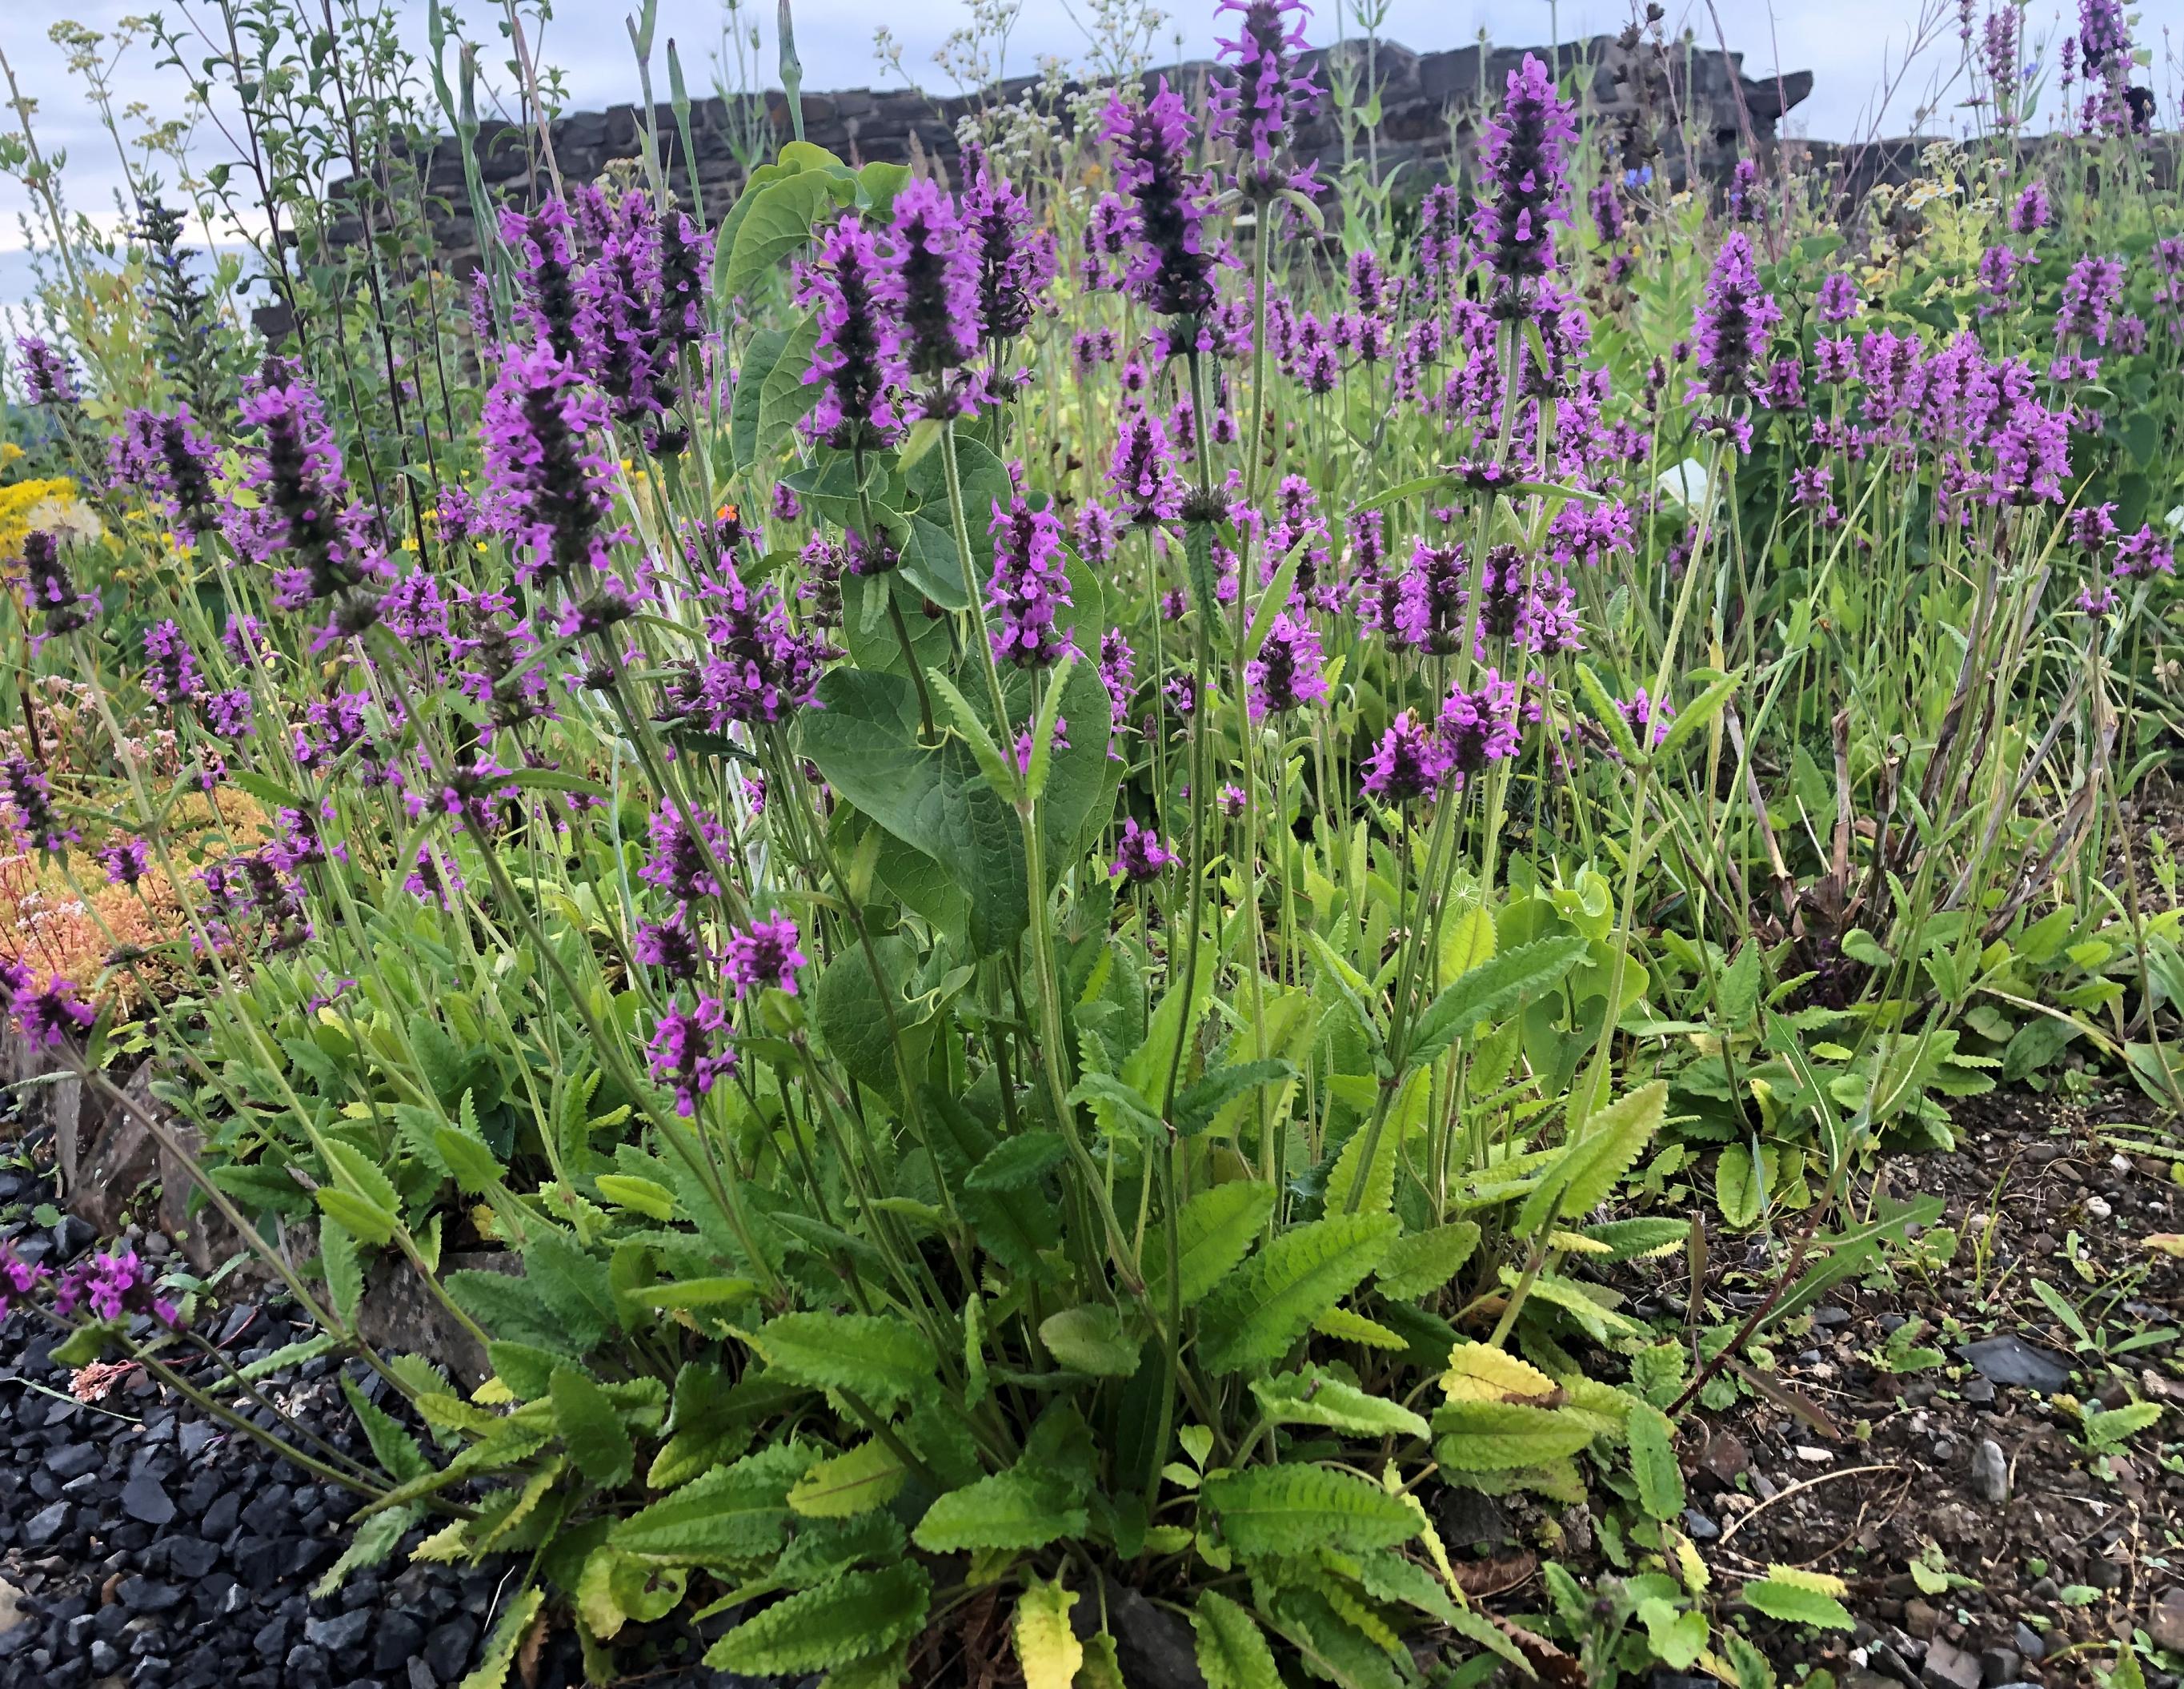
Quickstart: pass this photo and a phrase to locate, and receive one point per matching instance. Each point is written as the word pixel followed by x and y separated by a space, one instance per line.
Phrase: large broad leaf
pixel 859 1615
pixel 1091 1339
pixel 1018 1509
pixel 1494 1437
pixel 1080 784
pixel 1313 1398
pixel 771 395
pixel 865 738
pixel 869 1475
pixel 778 222
pixel 930 557
pixel 1588 1167
pixel 852 1015
pixel 1264 1306
pixel 883 1359
pixel 1299 1510
pixel 1047 1647
pixel 1215 1230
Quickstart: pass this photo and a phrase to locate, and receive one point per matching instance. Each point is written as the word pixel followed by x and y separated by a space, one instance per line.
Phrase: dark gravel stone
pixel 42 1528
pixel 144 1497
pixel 448 1649
pixel 338 1636
pixel 73 1460
pixel 219 1515
pixel 191 1558
pixel 2011 1362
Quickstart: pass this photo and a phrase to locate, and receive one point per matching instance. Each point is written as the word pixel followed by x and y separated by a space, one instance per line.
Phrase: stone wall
pixel 1430 105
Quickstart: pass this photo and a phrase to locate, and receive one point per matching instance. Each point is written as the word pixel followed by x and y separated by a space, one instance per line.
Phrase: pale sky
pixel 1855 49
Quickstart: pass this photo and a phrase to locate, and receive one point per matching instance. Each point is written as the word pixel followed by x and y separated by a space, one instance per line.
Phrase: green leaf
pixel 1420 1263
pixel 475 1168
pixel 1487 989
pixel 508 1306
pixel 643 1195
pixel 1653 1463
pixel 734 1513
pixel 590 1429
pixel 1696 715
pixel 859 1615
pixel 356 1215
pixel 1197 1104
pixel 1314 1397
pixel 1587 1170
pixel 1494 1436
pixel 865 740
pixel 778 222
pixel 869 1475
pixel 999 770
pixel 1603 706
pixel 1091 1339
pixel 1736 1193
pixel 1021 1161
pixel 508 1634
pixel 1259 1310
pixel 1796 1603
pixel 1215 1230
pixel 1041 761
pixel 344 1272
pixel 1298 1509
pixel 1232 1649
pixel 1014 1511
pixel 884 1359
pixel 391 1447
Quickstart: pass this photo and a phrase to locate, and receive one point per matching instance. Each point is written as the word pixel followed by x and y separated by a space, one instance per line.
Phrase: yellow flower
pixel 18 503
pixel 9 451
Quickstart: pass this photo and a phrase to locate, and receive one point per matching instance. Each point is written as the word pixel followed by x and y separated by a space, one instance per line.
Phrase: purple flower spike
pixel 684 1054
pixel 1411 762
pixel 1259 111
pixel 31 798
pixel 168 460
pixel 1289 671
pixel 1028 585
pixel 1478 727
pixel 1142 475
pixel 1524 159
pixel 1140 855
pixel 1015 258
pixel 126 861
pixel 51 590
pixel 46 379
pixel 305 525
pixel 547 488
pixel 1171 257
pixel 545 275
pixel 858 346
pixel 765 956
pixel 1734 320
pixel 49 1014
pixel 930 281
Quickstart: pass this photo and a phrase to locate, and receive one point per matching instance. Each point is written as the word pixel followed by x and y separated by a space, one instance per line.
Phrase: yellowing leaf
pixel 1045 1647
pixel 1479 1373
pixel 1341 1324
pixel 2169 1243
pixel 1819 1582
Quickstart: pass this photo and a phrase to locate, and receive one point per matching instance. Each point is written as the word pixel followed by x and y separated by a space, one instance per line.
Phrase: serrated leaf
pixel 1297 1510
pixel 859 1615
pixel 1420 1263
pixel 1795 1601
pixel 1046 1648
pixel 1347 1325
pixel 1231 1650
pixel 1257 1313
pixel 1488 989
pixel 734 1512
pixel 1316 1397
pixel 1016 1510
pixel 1653 1463
pixel 1215 1230
pixel 883 1359
pixel 1496 1436
pixel 1091 1339
pixel 869 1475
pixel 590 1429
pixel 508 1634
pixel 1478 1372
pixel 642 1196
pixel 1588 1169
pixel 1021 1161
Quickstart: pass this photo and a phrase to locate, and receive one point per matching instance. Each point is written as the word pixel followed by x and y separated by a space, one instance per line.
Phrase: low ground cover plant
pixel 1072 861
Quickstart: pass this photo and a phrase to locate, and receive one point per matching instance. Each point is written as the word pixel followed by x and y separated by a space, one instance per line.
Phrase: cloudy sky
pixel 1856 49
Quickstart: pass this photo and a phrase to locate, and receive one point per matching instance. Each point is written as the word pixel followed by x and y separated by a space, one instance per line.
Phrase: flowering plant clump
pixel 1085 852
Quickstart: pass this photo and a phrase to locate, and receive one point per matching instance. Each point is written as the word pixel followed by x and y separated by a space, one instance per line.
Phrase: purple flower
pixel 171 675
pixel 31 797
pixel 1478 727
pixel 763 954
pixel 930 281
pixel 547 488
pixel 685 262
pixel 1837 299
pixel 1140 855
pixel 18 1276
pixel 433 876
pixel 684 1054
pixel 2030 214
pixel 111 1286
pixel 1094 528
pixel 1648 717
pixel 1015 258
pixel 669 946
pixel 1734 321
pixel 1429 613
pixel 548 303
pixel 1410 763
pixel 1171 257
pixel 786 507
pixel 168 460
pixel 51 590
pixel 1142 477
pixel 618 318
pixel 857 349
pixel 1118 666
pixel 1998 267
pixel 1440 236
pixel 2090 294
pixel 1289 671
pixel 760 669
pixel 49 1014
pixel 1259 111
pixel 680 865
pixel 1029 584
pixel 1524 160
pixel 46 379
pixel 2142 555
pixel 231 714
pixel 126 861
pixel 303 522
